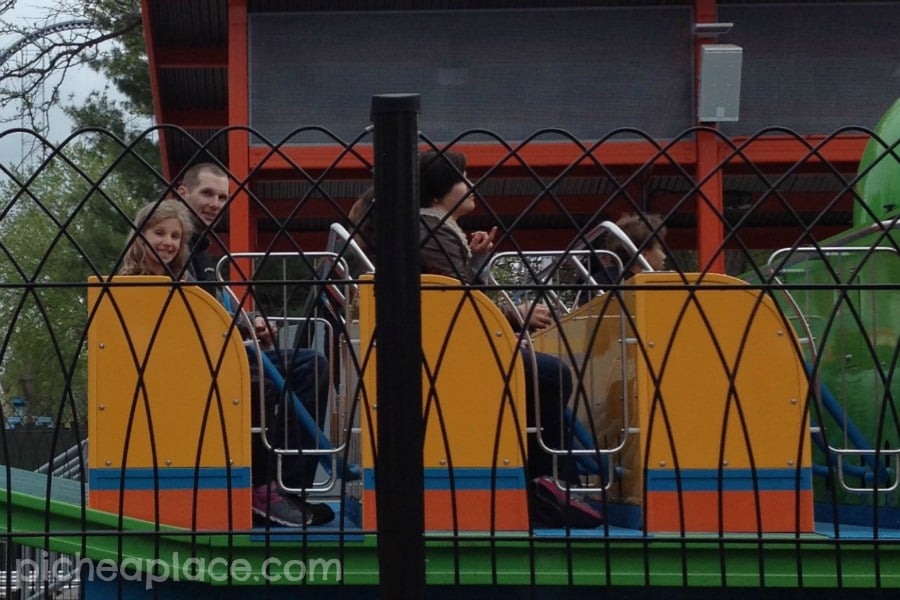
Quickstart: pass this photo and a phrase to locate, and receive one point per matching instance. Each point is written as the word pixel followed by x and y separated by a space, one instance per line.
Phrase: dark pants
pixel 306 374
pixel 554 385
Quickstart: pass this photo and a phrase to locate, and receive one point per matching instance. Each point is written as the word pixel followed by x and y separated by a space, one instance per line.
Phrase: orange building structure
pixel 253 83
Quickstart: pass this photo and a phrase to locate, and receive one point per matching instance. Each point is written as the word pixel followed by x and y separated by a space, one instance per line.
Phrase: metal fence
pixel 733 432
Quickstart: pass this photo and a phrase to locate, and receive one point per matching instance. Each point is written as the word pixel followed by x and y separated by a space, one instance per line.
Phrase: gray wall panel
pixel 585 70
pixel 815 67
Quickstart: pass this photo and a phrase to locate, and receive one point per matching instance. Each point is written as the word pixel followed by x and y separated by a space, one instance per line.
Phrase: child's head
pixel 158 245
pixel 648 234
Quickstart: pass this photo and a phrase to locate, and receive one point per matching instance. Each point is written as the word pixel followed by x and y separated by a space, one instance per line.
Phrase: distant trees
pixel 59 223
pixel 64 215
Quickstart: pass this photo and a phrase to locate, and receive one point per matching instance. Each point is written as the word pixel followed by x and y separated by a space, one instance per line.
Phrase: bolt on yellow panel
pixel 168 378
pixel 470 351
pixel 721 380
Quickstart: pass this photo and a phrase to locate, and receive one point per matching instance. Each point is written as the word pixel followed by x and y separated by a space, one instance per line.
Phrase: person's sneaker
pixel 551 507
pixel 269 503
pixel 316 513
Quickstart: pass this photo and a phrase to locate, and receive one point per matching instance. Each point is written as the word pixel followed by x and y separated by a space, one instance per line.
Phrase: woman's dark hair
pixel 438 173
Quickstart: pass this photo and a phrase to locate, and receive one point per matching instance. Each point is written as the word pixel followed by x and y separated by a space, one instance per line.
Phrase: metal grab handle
pixel 309 425
pixel 894 455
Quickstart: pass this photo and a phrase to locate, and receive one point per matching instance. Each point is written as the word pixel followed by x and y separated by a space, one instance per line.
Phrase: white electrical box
pixel 719 97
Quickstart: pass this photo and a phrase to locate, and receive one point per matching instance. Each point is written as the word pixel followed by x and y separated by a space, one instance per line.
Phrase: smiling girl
pixel 158 245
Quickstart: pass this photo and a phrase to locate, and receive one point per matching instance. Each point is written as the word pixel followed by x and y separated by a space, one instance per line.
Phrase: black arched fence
pixel 732 431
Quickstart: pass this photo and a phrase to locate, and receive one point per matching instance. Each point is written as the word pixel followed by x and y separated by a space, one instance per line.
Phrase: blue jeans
pixel 554 386
pixel 306 374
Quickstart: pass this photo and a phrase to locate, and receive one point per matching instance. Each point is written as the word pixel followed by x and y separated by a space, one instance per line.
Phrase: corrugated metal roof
pixel 197 145
pixel 196 23
pixel 363 5
pixel 185 27
pixel 194 88
pixel 368 5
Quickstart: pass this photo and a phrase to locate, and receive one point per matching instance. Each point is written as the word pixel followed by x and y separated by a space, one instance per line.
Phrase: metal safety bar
pixel 892 473
pixel 616 231
pixel 341 242
pixel 823 397
pixel 588 456
pixel 328 455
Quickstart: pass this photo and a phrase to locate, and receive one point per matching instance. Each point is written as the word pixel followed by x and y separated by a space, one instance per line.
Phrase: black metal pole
pixel 398 467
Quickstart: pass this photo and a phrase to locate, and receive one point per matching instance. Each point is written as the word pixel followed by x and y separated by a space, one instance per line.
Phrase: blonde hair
pixel 137 253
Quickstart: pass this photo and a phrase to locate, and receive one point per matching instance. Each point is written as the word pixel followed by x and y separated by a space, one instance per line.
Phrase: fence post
pixel 398 467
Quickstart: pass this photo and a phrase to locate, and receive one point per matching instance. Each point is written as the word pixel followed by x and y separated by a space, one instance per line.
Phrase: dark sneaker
pixel 316 513
pixel 551 507
pixel 269 503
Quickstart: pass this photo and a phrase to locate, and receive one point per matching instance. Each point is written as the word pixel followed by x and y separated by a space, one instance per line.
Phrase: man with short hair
pixel 205 189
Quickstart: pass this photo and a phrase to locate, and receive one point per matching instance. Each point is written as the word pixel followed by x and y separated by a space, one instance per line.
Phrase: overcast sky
pixel 78 82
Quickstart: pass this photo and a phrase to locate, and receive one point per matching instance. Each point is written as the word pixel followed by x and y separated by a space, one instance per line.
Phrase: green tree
pixel 64 220
pixel 66 216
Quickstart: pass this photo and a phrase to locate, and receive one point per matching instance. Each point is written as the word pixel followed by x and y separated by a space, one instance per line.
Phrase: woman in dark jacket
pixel 446 250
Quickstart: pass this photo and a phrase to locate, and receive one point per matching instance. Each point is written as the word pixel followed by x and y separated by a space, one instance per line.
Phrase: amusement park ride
pixel 734 434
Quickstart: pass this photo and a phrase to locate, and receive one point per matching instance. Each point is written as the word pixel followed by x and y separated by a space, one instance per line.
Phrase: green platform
pixel 59 521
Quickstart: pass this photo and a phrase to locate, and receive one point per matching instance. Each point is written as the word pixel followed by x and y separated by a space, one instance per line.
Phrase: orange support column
pixel 242 230
pixel 154 87
pixel 710 204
